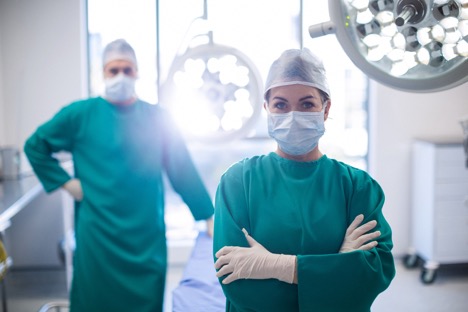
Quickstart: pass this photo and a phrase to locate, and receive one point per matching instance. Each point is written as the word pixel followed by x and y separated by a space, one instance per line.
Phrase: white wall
pixel 42 62
pixel 396 119
pixel 42 67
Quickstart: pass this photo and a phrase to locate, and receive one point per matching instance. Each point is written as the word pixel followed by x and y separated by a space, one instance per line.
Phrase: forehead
pixel 294 91
pixel 119 64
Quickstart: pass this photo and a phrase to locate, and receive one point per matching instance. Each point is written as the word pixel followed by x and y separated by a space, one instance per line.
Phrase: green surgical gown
pixel 303 209
pixel 119 154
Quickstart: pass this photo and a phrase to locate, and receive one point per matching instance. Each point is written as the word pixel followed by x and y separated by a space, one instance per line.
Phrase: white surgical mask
pixel 120 88
pixel 297 133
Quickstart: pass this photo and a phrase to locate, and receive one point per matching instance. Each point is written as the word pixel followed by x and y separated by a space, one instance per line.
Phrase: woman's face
pixel 295 97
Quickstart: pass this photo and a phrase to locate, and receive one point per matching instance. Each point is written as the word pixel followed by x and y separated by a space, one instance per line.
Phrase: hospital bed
pixel 199 288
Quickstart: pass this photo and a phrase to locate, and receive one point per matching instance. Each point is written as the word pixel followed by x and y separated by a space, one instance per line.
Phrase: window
pixel 133 21
pixel 346 136
pixel 161 33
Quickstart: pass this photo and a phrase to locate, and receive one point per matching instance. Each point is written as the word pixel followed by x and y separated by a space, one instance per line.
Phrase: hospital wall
pixel 42 67
pixel 42 62
pixel 397 118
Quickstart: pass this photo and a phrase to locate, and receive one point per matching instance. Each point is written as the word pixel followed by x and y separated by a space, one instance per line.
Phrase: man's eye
pixel 127 71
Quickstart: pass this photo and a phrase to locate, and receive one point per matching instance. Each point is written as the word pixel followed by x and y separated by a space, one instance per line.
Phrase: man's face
pixel 113 68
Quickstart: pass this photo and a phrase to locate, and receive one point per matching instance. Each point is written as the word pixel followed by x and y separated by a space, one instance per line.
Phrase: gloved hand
pixel 73 187
pixel 254 262
pixel 356 237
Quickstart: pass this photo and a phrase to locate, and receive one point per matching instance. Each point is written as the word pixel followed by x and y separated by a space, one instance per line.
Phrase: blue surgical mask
pixel 120 88
pixel 297 133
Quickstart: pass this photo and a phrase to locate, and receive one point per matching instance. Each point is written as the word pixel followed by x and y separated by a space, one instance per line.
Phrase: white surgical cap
pixel 118 50
pixel 297 67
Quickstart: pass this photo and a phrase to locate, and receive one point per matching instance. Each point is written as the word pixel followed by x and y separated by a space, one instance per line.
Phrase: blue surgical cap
pixel 297 66
pixel 118 50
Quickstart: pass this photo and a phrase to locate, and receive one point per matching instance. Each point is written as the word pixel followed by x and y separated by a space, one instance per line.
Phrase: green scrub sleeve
pixel 53 136
pixel 183 174
pixel 227 224
pixel 350 281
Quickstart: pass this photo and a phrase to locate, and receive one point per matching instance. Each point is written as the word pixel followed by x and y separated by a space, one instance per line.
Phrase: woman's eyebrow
pixel 280 98
pixel 301 99
pixel 307 97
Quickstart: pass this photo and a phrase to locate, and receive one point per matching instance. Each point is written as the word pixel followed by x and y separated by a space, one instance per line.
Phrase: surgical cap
pixel 118 50
pixel 297 67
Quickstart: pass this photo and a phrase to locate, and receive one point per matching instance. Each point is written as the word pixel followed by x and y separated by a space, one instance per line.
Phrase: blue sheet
pixel 199 289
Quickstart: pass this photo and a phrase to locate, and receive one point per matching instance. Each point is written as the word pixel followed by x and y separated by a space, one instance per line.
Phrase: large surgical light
pixel 411 45
pixel 214 93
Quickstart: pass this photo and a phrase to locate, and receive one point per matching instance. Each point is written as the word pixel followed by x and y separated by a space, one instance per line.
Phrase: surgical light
pixel 411 45
pixel 214 93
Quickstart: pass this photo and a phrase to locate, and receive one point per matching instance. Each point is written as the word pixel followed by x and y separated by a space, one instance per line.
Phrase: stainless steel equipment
pixel 9 163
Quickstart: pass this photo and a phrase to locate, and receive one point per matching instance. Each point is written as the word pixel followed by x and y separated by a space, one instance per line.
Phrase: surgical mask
pixel 120 88
pixel 297 133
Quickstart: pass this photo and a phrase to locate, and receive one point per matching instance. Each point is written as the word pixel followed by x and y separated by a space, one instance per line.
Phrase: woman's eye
pixel 280 105
pixel 309 105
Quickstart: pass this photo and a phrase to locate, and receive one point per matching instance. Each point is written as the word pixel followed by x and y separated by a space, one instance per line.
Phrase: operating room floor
pixel 28 290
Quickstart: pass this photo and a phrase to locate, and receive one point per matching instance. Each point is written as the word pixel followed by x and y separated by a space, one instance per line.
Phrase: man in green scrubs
pixel 121 146
pixel 294 229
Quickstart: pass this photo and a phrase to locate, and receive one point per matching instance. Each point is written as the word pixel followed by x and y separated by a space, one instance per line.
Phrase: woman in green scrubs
pixel 294 229
pixel 120 146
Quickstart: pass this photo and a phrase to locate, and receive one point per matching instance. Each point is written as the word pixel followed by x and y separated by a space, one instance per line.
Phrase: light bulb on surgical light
pixel 386 21
pixel 385 48
pixel 462 48
pixel 449 51
pixel 424 35
pixel 464 10
pixel 437 33
pixel 397 50
pixel 423 56
pixel 450 25
pixel 364 15
pixel 463 28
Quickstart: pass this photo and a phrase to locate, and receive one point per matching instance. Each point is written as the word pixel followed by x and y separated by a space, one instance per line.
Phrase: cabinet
pixel 439 216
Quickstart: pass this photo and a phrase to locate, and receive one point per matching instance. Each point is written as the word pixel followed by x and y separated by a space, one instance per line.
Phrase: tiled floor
pixel 27 291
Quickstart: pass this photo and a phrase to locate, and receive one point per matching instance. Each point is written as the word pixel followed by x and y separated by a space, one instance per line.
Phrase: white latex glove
pixel 73 187
pixel 254 262
pixel 358 238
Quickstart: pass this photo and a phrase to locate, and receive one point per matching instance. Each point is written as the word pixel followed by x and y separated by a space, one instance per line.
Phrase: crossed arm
pixel 256 262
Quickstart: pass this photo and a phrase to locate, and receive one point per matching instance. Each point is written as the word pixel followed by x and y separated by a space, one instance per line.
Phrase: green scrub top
pixel 119 155
pixel 303 209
